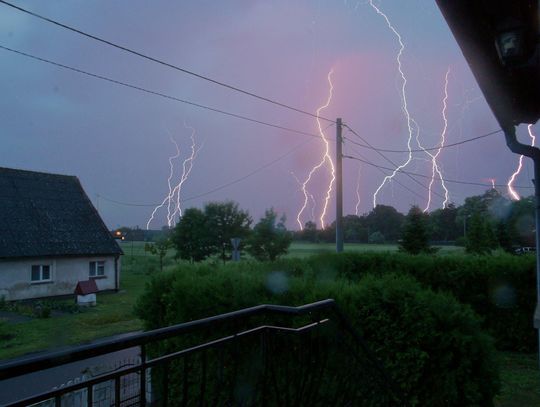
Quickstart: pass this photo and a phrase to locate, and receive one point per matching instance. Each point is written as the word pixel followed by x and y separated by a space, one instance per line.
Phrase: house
pixel 51 237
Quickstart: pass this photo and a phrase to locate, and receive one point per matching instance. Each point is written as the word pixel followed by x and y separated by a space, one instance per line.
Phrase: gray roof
pixel 49 215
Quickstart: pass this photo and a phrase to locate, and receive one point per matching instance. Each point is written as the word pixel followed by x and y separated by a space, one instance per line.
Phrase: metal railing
pixel 264 355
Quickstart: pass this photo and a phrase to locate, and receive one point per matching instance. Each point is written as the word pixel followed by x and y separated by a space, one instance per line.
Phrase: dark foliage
pixel 430 344
pixel 500 289
pixel 269 238
pixel 415 239
pixel 200 234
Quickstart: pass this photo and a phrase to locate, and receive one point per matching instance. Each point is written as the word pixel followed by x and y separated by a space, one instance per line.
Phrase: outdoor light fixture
pixel 500 39
pixel 510 47
pixel 515 41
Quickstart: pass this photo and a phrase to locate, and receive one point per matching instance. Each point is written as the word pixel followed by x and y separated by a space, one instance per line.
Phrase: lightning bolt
pixel 404 104
pixel 173 198
pixel 513 193
pixel 168 197
pixel 187 166
pixel 357 207
pixel 311 197
pixel 326 160
pixel 435 166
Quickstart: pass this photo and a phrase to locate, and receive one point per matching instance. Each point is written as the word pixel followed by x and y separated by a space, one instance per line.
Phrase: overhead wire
pixel 391 162
pixel 383 150
pixel 223 186
pixel 156 93
pixel 164 63
pixel 414 174
pixel 385 174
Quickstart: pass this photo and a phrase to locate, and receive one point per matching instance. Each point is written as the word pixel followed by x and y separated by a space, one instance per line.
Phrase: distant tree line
pixel 483 223
pixel 209 232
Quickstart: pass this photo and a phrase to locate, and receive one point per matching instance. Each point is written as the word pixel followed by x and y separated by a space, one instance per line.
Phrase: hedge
pixel 501 289
pixel 430 344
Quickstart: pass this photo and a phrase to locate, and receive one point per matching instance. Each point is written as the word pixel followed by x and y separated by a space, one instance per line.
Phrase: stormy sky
pixel 117 140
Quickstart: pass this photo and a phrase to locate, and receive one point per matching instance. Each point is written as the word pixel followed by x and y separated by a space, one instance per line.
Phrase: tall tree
pixel 415 238
pixel 224 221
pixel 191 238
pixel 480 237
pixel 269 238
pixel 310 232
pixel 442 224
pixel 386 220
pixel 159 248
pixel 200 234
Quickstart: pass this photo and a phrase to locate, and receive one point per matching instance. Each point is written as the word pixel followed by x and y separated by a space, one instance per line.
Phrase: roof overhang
pixel 512 90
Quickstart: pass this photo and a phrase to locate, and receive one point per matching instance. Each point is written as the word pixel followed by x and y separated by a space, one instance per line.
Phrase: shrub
pixel 500 289
pixel 431 345
pixel 42 310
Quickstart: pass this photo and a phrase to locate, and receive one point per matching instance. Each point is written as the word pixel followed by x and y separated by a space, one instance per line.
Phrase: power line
pixel 420 150
pixel 414 174
pixel 164 63
pixel 223 186
pixel 393 163
pixel 163 95
pixel 385 174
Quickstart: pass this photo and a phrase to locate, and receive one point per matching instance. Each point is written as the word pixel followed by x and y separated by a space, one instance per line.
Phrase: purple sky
pixel 116 140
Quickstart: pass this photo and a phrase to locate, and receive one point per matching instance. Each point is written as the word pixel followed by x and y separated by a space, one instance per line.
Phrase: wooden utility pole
pixel 339 187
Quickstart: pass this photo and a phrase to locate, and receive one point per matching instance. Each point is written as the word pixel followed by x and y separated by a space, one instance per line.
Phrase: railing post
pixel 142 378
pixel 165 387
pixel 90 396
pixel 264 350
pixel 185 393
pixel 117 391
pixel 203 373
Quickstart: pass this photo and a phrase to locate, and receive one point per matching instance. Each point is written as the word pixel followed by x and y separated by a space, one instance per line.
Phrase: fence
pixel 264 355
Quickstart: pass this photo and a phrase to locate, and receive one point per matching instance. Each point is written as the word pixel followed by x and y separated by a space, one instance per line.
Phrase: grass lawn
pixel 520 380
pixel 300 249
pixel 114 315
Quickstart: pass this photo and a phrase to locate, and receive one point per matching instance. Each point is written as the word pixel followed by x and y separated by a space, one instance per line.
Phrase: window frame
pixel 96 269
pixel 41 269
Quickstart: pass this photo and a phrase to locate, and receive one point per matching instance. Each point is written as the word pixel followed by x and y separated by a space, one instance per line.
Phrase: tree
pixel 415 239
pixel 353 229
pixel 200 234
pixel 191 238
pixel 442 224
pixel 310 232
pixel 387 220
pixel 480 237
pixel 269 238
pixel 521 223
pixel 159 248
pixel 376 238
pixel 224 221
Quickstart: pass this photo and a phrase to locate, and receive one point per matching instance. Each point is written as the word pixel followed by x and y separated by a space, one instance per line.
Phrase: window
pixel 41 272
pixel 97 269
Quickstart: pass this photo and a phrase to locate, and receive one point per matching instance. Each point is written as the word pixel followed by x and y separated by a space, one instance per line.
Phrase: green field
pixel 114 315
pixel 299 249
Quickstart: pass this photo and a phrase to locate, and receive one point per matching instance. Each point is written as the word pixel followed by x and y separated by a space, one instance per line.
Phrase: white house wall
pixel 16 284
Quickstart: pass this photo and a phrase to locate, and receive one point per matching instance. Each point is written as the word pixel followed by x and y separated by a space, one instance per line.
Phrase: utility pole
pixel 339 187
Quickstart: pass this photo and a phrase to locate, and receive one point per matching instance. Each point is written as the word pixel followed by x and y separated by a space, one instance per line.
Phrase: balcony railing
pixel 267 355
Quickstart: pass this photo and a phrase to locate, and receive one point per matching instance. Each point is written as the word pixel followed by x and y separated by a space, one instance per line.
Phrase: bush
pixel 500 289
pixel 42 309
pixel 431 345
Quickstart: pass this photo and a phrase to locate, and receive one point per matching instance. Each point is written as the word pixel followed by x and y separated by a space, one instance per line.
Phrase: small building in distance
pixel 51 237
